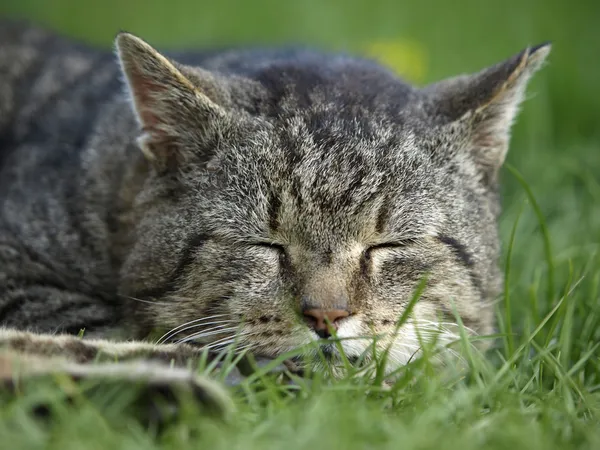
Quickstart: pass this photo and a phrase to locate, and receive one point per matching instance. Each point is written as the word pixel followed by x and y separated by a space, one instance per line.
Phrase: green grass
pixel 539 388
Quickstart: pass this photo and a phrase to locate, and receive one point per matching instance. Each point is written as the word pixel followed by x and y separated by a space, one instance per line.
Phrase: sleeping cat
pixel 264 198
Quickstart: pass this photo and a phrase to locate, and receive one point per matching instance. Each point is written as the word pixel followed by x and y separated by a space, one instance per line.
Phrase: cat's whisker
pixel 151 302
pixel 168 333
pixel 443 325
pixel 198 325
pixel 236 349
pixel 202 334
pixel 218 345
pixel 401 348
pixel 224 342
pixel 425 322
pixel 205 330
pixel 244 348
pixel 194 329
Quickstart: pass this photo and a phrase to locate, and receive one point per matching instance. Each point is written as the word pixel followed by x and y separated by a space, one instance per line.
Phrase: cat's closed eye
pixel 385 246
pixel 270 245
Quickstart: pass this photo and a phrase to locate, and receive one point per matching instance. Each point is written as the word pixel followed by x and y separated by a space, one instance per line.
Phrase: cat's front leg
pixel 78 350
pixel 152 375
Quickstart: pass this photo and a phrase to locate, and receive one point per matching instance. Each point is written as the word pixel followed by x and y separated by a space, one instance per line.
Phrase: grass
pixel 539 388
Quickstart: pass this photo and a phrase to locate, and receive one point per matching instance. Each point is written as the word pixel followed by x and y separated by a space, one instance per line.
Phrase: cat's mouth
pixel 316 356
pixel 331 353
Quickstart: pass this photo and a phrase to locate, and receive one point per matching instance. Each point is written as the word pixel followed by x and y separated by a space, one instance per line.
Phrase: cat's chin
pixel 321 357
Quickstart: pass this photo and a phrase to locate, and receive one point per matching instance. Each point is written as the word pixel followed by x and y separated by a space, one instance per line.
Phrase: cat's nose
pixel 317 318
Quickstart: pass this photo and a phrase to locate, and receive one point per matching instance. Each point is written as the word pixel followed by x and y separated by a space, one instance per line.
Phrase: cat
pixel 263 198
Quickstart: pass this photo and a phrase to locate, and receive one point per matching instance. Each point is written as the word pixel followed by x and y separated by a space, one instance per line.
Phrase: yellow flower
pixel 407 58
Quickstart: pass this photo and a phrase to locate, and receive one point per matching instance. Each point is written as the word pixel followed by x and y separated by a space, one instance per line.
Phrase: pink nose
pixel 317 319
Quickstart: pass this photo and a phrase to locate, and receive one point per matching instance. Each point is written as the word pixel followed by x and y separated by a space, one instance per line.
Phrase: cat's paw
pixel 155 393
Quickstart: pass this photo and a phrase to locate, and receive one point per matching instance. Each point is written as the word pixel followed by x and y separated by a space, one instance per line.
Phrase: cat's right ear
pixel 175 115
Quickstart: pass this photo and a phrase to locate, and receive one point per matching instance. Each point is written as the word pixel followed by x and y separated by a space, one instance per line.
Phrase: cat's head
pixel 313 192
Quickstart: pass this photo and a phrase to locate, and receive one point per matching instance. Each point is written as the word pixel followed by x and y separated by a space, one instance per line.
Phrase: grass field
pixel 540 387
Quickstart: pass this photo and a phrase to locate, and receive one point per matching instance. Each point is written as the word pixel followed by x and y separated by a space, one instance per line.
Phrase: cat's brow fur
pixel 268 181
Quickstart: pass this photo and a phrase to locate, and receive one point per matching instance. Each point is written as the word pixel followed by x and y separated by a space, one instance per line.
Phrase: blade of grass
pixel 543 227
pixel 382 362
pixel 509 340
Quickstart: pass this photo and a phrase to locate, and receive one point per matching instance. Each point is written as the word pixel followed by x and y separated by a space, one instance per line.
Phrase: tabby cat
pixel 262 198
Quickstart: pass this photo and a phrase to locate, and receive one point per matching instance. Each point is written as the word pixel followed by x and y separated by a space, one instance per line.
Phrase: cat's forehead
pixel 348 191
pixel 325 179
pixel 347 153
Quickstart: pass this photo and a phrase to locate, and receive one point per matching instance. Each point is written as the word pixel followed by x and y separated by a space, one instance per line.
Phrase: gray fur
pixel 268 181
pixel 26 359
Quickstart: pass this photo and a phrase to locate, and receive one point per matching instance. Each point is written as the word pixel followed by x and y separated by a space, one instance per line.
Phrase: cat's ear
pixel 174 113
pixel 484 105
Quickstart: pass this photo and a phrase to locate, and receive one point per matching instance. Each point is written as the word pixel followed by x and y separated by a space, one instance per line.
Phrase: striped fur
pixel 217 194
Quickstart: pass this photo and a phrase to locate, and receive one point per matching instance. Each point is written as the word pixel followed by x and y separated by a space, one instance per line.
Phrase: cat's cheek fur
pixel 239 290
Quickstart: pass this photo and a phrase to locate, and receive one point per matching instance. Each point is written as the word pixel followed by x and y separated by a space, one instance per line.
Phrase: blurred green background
pixel 556 143
pixel 452 36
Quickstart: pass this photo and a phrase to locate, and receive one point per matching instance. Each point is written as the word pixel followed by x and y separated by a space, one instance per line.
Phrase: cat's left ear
pixel 484 105
pixel 176 111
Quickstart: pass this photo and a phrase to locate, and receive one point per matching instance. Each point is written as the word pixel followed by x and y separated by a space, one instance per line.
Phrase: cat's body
pixel 276 195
